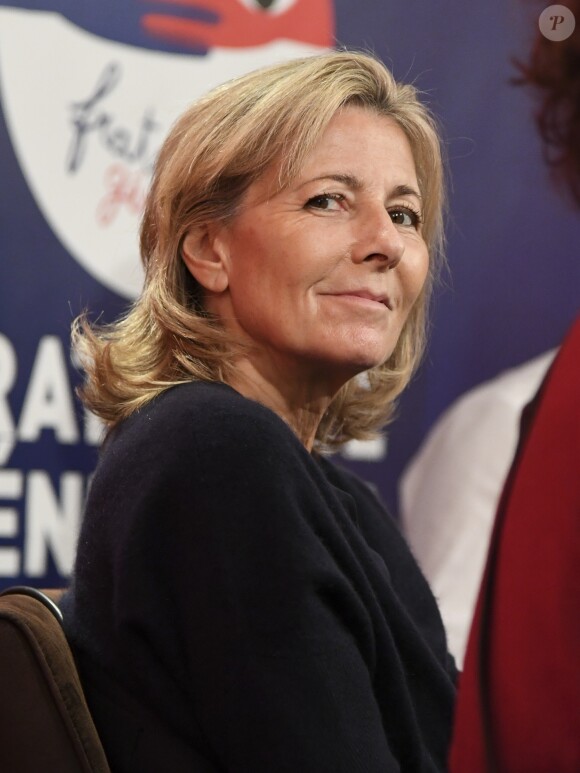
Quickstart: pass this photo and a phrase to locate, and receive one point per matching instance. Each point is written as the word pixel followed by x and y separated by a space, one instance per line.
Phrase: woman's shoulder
pixel 207 415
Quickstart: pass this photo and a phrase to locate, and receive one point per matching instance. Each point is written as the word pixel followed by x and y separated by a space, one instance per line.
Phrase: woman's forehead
pixel 335 150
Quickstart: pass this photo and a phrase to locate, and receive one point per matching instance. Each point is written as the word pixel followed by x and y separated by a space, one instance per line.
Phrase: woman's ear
pixel 206 256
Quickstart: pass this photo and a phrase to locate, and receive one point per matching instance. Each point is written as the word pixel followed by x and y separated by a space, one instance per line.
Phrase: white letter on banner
pixel 51 524
pixel 7 379
pixel 10 488
pixel 48 402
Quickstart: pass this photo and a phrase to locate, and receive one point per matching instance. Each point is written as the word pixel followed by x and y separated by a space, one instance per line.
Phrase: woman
pixel 239 603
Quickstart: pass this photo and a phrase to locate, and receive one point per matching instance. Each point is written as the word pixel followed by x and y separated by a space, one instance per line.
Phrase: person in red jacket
pixel 519 695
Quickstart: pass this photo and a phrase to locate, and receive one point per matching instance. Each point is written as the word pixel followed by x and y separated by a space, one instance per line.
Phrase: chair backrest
pixel 45 723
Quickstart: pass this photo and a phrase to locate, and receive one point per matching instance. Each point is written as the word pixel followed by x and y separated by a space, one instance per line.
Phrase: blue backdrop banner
pixel 87 92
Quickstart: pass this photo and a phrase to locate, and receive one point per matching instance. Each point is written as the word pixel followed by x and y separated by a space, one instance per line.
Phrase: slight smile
pixel 363 298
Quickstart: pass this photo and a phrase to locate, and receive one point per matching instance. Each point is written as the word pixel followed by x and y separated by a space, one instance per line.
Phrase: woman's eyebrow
pixel 355 184
pixel 406 190
pixel 350 180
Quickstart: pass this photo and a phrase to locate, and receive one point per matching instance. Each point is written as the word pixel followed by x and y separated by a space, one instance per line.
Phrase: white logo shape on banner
pixel 86 118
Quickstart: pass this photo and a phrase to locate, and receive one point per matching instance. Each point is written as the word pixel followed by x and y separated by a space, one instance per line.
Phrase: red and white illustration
pixel 87 114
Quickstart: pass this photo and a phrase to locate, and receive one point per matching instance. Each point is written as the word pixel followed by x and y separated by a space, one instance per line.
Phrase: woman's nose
pixel 378 239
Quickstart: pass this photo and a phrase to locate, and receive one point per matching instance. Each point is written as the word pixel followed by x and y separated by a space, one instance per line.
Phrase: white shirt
pixel 449 492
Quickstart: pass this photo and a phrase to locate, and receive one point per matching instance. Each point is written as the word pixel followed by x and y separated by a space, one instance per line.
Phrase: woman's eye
pixel 405 217
pixel 325 201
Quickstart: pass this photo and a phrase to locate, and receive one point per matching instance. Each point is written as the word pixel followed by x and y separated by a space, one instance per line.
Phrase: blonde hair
pixel 214 152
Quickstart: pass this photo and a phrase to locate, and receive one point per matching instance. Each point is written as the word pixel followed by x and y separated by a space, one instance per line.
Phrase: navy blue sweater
pixel 241 605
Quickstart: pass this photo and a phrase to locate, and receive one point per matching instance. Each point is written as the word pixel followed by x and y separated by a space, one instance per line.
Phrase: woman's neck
pixel 300 401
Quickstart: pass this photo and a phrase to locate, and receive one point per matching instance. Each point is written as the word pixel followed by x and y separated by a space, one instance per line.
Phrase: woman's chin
pixel 367 356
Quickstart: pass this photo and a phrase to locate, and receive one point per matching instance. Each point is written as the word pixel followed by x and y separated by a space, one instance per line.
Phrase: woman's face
pixel 322 275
